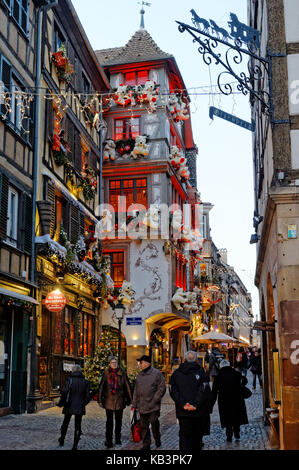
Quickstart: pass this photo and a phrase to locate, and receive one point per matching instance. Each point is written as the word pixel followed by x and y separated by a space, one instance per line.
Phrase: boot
pixel 76 439
pixel 62 437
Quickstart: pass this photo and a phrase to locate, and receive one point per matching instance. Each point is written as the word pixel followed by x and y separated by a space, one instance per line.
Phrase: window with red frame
pixel 87 335
pixel 180 280
pixel 69 332
pixel 117 265
pixel 126 128
pixel 136 77
pixel 134 189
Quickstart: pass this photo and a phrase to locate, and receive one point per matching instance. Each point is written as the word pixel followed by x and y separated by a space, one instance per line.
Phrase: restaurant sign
pixel 55 301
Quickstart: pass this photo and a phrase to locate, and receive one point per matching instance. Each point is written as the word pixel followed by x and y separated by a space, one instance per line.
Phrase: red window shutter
pixel 130 78
pixel 142 77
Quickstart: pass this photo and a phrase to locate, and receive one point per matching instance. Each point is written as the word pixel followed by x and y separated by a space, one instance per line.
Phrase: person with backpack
pixel 214 361
pixel 241 363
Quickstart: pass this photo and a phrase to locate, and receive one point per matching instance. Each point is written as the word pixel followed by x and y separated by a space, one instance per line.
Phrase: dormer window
pixel 136 77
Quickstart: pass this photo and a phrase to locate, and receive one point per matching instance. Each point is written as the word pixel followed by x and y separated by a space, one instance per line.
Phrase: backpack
pixel 217 359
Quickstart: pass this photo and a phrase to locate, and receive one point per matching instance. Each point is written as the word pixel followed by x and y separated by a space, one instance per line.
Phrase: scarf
pixel 113 380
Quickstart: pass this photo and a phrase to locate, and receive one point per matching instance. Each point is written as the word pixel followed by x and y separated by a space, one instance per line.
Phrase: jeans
pixel 254 380
pixel 147 420
pixel 118 415
pixel 190 437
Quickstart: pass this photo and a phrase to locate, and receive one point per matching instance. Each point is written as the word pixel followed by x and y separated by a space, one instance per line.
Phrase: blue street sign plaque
pixel 250 126
pixel 132 321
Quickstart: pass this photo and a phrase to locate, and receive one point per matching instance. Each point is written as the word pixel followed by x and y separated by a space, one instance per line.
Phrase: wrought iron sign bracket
pixel 245 41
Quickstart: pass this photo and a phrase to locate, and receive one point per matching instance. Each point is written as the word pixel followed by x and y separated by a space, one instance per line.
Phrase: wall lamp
pixel 254 238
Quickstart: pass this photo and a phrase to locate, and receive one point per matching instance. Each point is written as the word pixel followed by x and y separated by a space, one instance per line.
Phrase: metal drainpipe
pixel 31 407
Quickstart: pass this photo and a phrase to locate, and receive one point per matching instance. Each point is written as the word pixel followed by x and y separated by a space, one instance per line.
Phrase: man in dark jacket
pixel 232 409
pixel 190 390
pixel 148 393
pixel 75 396
pixel 256 368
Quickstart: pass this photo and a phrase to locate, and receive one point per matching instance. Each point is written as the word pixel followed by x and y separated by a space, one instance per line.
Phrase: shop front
pixel 66 337
pixel 168 340
pixel 15 319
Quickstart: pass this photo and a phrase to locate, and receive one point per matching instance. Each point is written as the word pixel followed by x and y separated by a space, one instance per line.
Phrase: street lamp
pixel 119 313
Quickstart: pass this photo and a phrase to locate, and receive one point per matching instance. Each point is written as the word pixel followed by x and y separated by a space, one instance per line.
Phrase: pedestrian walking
pixel 114 395
pixel 256 369
pixel 74 398
pixel 148 393
pixel 241 363
pixel 214 361
pixel 228 386
pixel 190 390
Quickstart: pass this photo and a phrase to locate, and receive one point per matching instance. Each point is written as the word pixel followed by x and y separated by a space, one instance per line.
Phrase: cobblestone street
pixel 40 431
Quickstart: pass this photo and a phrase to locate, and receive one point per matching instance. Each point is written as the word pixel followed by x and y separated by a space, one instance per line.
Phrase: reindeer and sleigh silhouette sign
pixel 239 31
pixel 240 34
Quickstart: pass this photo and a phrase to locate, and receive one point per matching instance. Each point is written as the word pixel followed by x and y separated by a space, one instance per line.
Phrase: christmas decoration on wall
pixel 148 93
pixel 109 150
pixel 178 162
pixel 140 147
pixel 126 294
pixel 177 107
pixel 179 299
pixel 126 95
pixel 60 146
pixel 64 68
pixel 88 182
pixel 125 146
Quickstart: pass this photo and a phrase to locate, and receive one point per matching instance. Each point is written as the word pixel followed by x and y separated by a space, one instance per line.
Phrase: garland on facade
pixel 8 301
pixel 126 95
pixel 66 258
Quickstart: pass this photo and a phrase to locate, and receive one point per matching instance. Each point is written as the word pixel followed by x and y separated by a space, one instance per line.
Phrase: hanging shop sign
pixel 213 294
pixel 55 301
pixel 250 126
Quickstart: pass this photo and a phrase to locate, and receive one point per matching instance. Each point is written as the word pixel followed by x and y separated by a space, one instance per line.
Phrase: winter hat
pixel 224 363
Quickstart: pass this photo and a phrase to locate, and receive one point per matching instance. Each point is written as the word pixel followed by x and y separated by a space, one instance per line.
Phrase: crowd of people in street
pixel 193 388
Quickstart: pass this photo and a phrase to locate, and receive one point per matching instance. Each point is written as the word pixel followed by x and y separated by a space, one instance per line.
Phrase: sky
pixel 225 165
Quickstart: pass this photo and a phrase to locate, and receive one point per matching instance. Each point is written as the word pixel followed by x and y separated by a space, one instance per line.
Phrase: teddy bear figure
pixel 176 157
pixel 179 299
pixel 149 93
pixel 173 103
pixel 127 293
pixel 123 96
pixel 151 218
pixel 140 148
pixel 109 150
pixel 184 172
pixel 181 111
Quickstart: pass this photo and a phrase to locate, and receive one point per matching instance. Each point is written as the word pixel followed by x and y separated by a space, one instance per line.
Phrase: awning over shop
pixel 16 295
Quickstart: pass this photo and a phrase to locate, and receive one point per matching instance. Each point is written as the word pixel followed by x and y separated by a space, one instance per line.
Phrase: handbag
pixel 245 392
pixel 65 398
pixel 136 427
